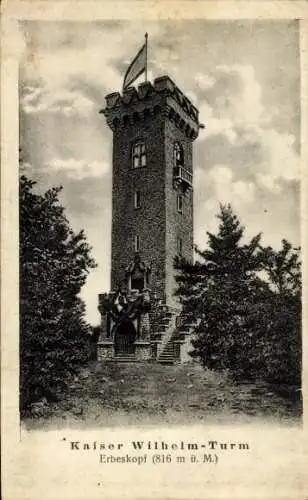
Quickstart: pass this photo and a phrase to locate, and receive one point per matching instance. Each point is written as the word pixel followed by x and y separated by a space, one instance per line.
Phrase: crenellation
pixel 163 84
pixel 129 95
pixel 112 99
pixel 145 89
pixel 163 93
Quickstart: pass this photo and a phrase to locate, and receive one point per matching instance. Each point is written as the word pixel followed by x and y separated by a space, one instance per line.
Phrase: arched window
pixel 178 155
pixel 139 157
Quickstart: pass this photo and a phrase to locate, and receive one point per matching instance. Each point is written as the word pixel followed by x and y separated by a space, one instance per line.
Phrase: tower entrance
pixel 124 338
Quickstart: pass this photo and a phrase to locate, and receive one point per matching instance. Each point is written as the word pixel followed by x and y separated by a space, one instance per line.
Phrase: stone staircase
pixel 167 335
pixel 167 356
pixel 165 323
pixel 175 338
pixel 168 338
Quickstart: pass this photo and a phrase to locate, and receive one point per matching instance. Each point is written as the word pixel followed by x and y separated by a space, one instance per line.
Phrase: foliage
pixel 54 263
pixel 243 301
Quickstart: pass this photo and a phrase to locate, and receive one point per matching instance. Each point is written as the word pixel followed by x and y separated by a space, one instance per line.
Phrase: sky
pixel 244 77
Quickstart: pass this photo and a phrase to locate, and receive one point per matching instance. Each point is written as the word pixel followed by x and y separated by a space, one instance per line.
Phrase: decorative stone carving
pixel 137 275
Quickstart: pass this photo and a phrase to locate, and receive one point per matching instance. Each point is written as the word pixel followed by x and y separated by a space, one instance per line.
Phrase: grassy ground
pixel 108 394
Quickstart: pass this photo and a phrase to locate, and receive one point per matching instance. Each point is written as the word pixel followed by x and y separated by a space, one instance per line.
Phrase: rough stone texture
pixel 178 225
pixel 103 330
pixel 148 222
pixel 143 350
pixel 159 116
pixel 145 328
pixel 185 348
pixel 105 350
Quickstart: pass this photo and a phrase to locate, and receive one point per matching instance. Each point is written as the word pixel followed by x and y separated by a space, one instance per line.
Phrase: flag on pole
pixel 137 66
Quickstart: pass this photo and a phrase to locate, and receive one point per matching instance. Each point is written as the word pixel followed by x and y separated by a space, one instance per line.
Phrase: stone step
pixel 164 322
pixel 168 350
pixel 167 361
pixel 166 355
pixel 156 336
pixel 183 331
pixel 124 358
pixel 161 328
pixel 126 354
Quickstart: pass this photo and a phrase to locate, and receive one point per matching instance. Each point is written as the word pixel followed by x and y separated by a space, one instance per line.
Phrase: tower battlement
pixel 163 96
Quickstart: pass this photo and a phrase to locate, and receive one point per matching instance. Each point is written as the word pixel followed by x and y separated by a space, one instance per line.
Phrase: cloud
pixel 280 159
pixel 51 100
pixel 192 96
pixel 204 81
pixel 232 107
pixel 56 59
pixel 79 169
pixel 259 207
pixel 95 52
pixel 247 160
pixel 232 98
pixel 244 103
pixel 224 188
pixel 215 126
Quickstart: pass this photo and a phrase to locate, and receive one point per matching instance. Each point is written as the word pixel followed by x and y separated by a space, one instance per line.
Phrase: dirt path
pixel 108 394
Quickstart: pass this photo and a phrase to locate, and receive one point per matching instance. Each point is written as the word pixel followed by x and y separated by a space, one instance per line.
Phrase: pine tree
pixel 225 282
pixel 244 302
pixel 282 345
pixel 283 268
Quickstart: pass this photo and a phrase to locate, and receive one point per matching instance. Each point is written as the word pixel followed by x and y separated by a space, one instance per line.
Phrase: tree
pixel 218 292
pixel 283 268
pixel 236 296
pixel 281 354
pixel 54 264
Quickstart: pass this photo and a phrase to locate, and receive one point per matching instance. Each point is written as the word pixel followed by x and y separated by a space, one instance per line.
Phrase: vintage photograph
pixel 159 223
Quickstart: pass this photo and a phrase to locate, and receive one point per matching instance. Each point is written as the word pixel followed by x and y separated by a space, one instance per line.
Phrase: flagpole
pixel 146 57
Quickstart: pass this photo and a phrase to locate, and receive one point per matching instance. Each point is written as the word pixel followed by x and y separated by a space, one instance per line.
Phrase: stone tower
pixel 153 128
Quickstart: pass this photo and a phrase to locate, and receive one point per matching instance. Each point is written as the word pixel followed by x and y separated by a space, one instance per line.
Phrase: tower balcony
pixel 182 176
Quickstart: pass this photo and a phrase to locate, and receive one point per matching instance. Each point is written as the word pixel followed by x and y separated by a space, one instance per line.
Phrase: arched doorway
pixel 124 339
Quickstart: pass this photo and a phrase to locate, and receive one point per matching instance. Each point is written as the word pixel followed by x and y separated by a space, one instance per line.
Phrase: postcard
pixel 154 259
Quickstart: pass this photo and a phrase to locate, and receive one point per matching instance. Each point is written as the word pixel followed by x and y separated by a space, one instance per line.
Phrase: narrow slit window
pixel 180 203
pixel 139 157
pixel 137 199
pixel 179 246
pixel 137 243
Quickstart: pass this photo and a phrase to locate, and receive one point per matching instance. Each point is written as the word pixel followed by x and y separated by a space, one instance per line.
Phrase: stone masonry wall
pixel 178 225
pixel 159 116
pixel 148 221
